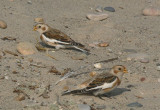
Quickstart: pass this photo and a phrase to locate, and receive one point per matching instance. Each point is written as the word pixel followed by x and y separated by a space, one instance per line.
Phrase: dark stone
pixel 135 104
pixel 111 9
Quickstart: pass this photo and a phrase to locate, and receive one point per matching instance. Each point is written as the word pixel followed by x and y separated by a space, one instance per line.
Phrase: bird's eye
pixel 39 26
pixel 120 69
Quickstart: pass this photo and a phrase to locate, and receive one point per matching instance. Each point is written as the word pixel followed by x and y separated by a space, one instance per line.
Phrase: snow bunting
pixel 101 83
pixel 57 39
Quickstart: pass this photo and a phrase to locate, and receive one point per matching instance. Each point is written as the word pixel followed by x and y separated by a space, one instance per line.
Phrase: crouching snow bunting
pixel 57 39
pixel 101 83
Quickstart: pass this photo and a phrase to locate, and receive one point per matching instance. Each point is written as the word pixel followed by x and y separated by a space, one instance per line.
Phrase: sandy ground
pixel 126 30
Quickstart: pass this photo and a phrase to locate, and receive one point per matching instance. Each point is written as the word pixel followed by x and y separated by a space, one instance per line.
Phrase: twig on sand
pixel 109 60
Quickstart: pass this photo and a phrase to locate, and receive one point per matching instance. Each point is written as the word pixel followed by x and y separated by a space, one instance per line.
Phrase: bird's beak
pixel 35 28
pixel 125 70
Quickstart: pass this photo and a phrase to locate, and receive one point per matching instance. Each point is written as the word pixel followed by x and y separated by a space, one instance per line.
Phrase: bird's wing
pixel 57 35
pixel 100 80
pixel 60 37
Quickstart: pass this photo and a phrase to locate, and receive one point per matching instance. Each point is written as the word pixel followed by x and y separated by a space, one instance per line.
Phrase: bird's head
pixel 41 28
pixel 119 70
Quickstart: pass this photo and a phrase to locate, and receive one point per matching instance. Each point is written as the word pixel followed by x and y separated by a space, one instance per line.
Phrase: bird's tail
pixel 80 91
pixel 86 51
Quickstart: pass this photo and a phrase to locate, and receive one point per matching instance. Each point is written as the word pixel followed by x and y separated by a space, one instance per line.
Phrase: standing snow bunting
pixel 102 83
pixel 57 39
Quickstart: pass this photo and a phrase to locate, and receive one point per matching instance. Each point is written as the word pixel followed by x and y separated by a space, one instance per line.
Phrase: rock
pixel 20 97
pixel 151 11
pixel 101 107
pixel 79 57
pixel 98 65
pixel 159 80
pixel 142 79
pixel 97 17
pixel 144 60
pixel 39 20
pixel 26 48
pixel 137 56
pixel 104 44
pixel 29 2
pixel 99 9
pixel 3 24
pixel 84 107
pixel 111 9
pixel 135 104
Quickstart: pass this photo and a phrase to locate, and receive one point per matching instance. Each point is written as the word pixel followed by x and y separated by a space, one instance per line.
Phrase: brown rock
pixel 151 11
pixel 3 24
pixel 26 48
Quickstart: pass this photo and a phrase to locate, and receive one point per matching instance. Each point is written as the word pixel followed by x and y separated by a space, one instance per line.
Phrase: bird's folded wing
pixel 57 35
pixel 99 81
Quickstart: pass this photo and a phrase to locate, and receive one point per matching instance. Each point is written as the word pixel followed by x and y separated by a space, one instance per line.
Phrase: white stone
pixel 97 17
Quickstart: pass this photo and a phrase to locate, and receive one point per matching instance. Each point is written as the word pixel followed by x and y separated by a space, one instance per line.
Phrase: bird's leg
pixel 99 96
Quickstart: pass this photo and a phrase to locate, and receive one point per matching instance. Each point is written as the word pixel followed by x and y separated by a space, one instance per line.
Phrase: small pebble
pixel 144 60
pixel 111 9
pixel 158 79
pixel 143 79
pixel 6 77
pixel 20 97
pixel 3 24
pixel 99 9
pixel 92 74
pixel 26 48
pixel 98 65
pixel 39 20
pixel 151 11
pixel 135 104
pixel 97 17
pixel 84 107
pixel 100 107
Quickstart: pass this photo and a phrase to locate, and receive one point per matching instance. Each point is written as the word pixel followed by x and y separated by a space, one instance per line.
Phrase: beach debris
pixel 103 44
pixel 144 60
pixel 26 48
pixel 20 97
pixel 97 17
pixel 3 24
pixel 8 38
pixel 79 57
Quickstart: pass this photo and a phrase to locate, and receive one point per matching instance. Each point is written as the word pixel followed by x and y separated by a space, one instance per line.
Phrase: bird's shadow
pixel 116 92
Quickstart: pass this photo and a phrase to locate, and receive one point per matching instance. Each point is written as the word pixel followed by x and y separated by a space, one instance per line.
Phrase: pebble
pixel 79 57
pixel 39 20
pixel 92 74
pixel 26 48
pixel 111 9
pixel 29 2
pixel 137 56
pixel 159 80
pixel 158 68
pixel 84 107
pixel 144 60
pixel 101 107
pixel 135 104
pixel 151 11
pixel 97 17
pixel 3 24
pixel 98 65
pixel 99 9
pixel 20 97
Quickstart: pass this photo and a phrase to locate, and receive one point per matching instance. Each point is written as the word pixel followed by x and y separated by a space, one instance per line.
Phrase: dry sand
pixel 126 30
